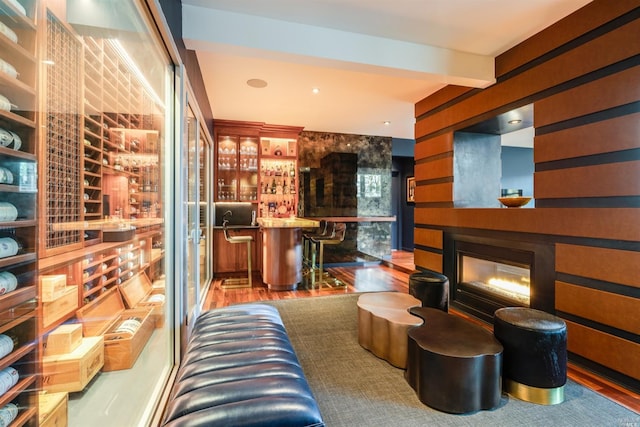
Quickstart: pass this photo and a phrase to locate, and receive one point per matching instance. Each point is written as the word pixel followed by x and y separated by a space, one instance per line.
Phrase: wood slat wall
pixel 583 76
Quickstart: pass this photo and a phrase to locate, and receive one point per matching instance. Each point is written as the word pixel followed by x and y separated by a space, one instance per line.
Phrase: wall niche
pixel 494 157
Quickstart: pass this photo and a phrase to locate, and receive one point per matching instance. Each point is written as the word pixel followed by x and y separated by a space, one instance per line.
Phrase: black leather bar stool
pixel 322 230
pixel 318 243
pixel 535 354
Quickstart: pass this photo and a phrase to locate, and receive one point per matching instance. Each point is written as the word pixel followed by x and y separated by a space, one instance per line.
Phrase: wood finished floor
pixel 394 276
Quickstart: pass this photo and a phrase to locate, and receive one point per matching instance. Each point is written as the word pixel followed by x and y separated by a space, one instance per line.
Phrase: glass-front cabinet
pixel 237 168
pixel 87 211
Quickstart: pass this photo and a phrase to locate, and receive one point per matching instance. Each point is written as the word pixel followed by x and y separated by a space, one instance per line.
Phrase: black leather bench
pixel 240 369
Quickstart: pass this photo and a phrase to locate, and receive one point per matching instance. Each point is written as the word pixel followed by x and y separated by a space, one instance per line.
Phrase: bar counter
pixel 282 251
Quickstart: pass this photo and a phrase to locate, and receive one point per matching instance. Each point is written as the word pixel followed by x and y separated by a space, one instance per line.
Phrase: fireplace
pixel 487 273
pixel 496 279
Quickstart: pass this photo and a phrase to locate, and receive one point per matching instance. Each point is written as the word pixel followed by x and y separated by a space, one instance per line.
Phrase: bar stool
pixel 335 238
pixel 306 240
pixel 238 282
pixel 322 230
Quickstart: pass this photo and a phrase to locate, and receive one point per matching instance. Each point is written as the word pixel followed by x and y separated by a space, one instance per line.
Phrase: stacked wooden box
pixel 58 299
pixel 70 361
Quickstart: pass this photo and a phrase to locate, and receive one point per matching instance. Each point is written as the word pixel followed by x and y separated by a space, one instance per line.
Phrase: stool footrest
pixel 236 283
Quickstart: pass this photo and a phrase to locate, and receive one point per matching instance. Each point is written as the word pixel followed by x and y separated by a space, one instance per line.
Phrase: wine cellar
pixel 18 225
pixel 80 209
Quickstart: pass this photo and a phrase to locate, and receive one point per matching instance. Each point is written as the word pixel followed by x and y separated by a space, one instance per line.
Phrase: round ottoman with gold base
pixel 535 354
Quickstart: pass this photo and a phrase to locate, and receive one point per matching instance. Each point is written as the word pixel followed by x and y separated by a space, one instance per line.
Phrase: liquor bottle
pixel 292 170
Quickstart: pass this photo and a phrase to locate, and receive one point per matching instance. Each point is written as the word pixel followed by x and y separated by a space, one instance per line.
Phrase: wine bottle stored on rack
pixel 10 245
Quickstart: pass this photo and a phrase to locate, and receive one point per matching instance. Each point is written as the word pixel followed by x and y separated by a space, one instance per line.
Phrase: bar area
pixel 274 183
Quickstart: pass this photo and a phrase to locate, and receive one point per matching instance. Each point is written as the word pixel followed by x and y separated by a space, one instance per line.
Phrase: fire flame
pixel 510 286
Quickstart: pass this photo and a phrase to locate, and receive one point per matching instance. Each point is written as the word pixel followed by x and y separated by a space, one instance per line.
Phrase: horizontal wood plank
pixel 615 353
pixel 432 193
pixel 610 309
pixel 614 223
pixel 429 260
pixel 440 97
pixel 621 88
pixel 617 134
pixel 608 180
pixel 428 237
pixel 440 168
pixel 567 29
pixel 434 146
pixel 610 265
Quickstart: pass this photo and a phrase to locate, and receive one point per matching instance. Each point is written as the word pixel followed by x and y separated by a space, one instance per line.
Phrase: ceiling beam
pixel 213 30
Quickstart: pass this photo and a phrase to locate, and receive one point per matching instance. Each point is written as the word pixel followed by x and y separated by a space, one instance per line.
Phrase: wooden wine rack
pixel 18 308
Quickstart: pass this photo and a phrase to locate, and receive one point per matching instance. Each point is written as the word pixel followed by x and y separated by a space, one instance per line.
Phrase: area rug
pixel 355 388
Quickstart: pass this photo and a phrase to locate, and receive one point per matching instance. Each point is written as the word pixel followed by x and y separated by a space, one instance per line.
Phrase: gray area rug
pixel 355 388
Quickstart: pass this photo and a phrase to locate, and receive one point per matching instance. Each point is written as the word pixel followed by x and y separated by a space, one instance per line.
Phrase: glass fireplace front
pixel 507 282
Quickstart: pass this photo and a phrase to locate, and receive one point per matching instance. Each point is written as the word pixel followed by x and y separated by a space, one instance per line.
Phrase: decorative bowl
pixel 514 202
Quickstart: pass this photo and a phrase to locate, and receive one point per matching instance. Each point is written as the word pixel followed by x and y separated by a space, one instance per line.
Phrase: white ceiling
pixel 372 60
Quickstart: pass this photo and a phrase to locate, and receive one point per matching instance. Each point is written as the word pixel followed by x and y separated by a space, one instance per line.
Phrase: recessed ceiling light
pixel 315 90
pixel 386 122
pixel 514 122
pixel 257 83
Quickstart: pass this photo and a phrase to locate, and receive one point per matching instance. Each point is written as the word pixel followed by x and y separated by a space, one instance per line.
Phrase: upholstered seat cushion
pixel 240 369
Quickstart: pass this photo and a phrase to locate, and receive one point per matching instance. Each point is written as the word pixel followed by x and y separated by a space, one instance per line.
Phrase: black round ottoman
pixel 431 288
pixel 534 364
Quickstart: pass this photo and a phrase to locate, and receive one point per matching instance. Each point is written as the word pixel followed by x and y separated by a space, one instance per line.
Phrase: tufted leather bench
pixel 240 369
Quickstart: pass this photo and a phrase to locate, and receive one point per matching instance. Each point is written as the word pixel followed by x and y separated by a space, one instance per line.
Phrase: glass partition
pixel 86 93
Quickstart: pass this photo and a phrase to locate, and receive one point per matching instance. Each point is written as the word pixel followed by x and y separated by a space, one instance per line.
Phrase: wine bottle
pixel 8 378
pixel 8 341
pixel 8 282
pixel 9 246
pixel 8 413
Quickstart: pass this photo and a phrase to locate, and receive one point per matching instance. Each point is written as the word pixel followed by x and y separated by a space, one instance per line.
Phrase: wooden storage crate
pixel 52 287
pixel 73 371
pixel 102 316
pixel 136 293
pixel 53 409
pixel 63 339
pixel 60 307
